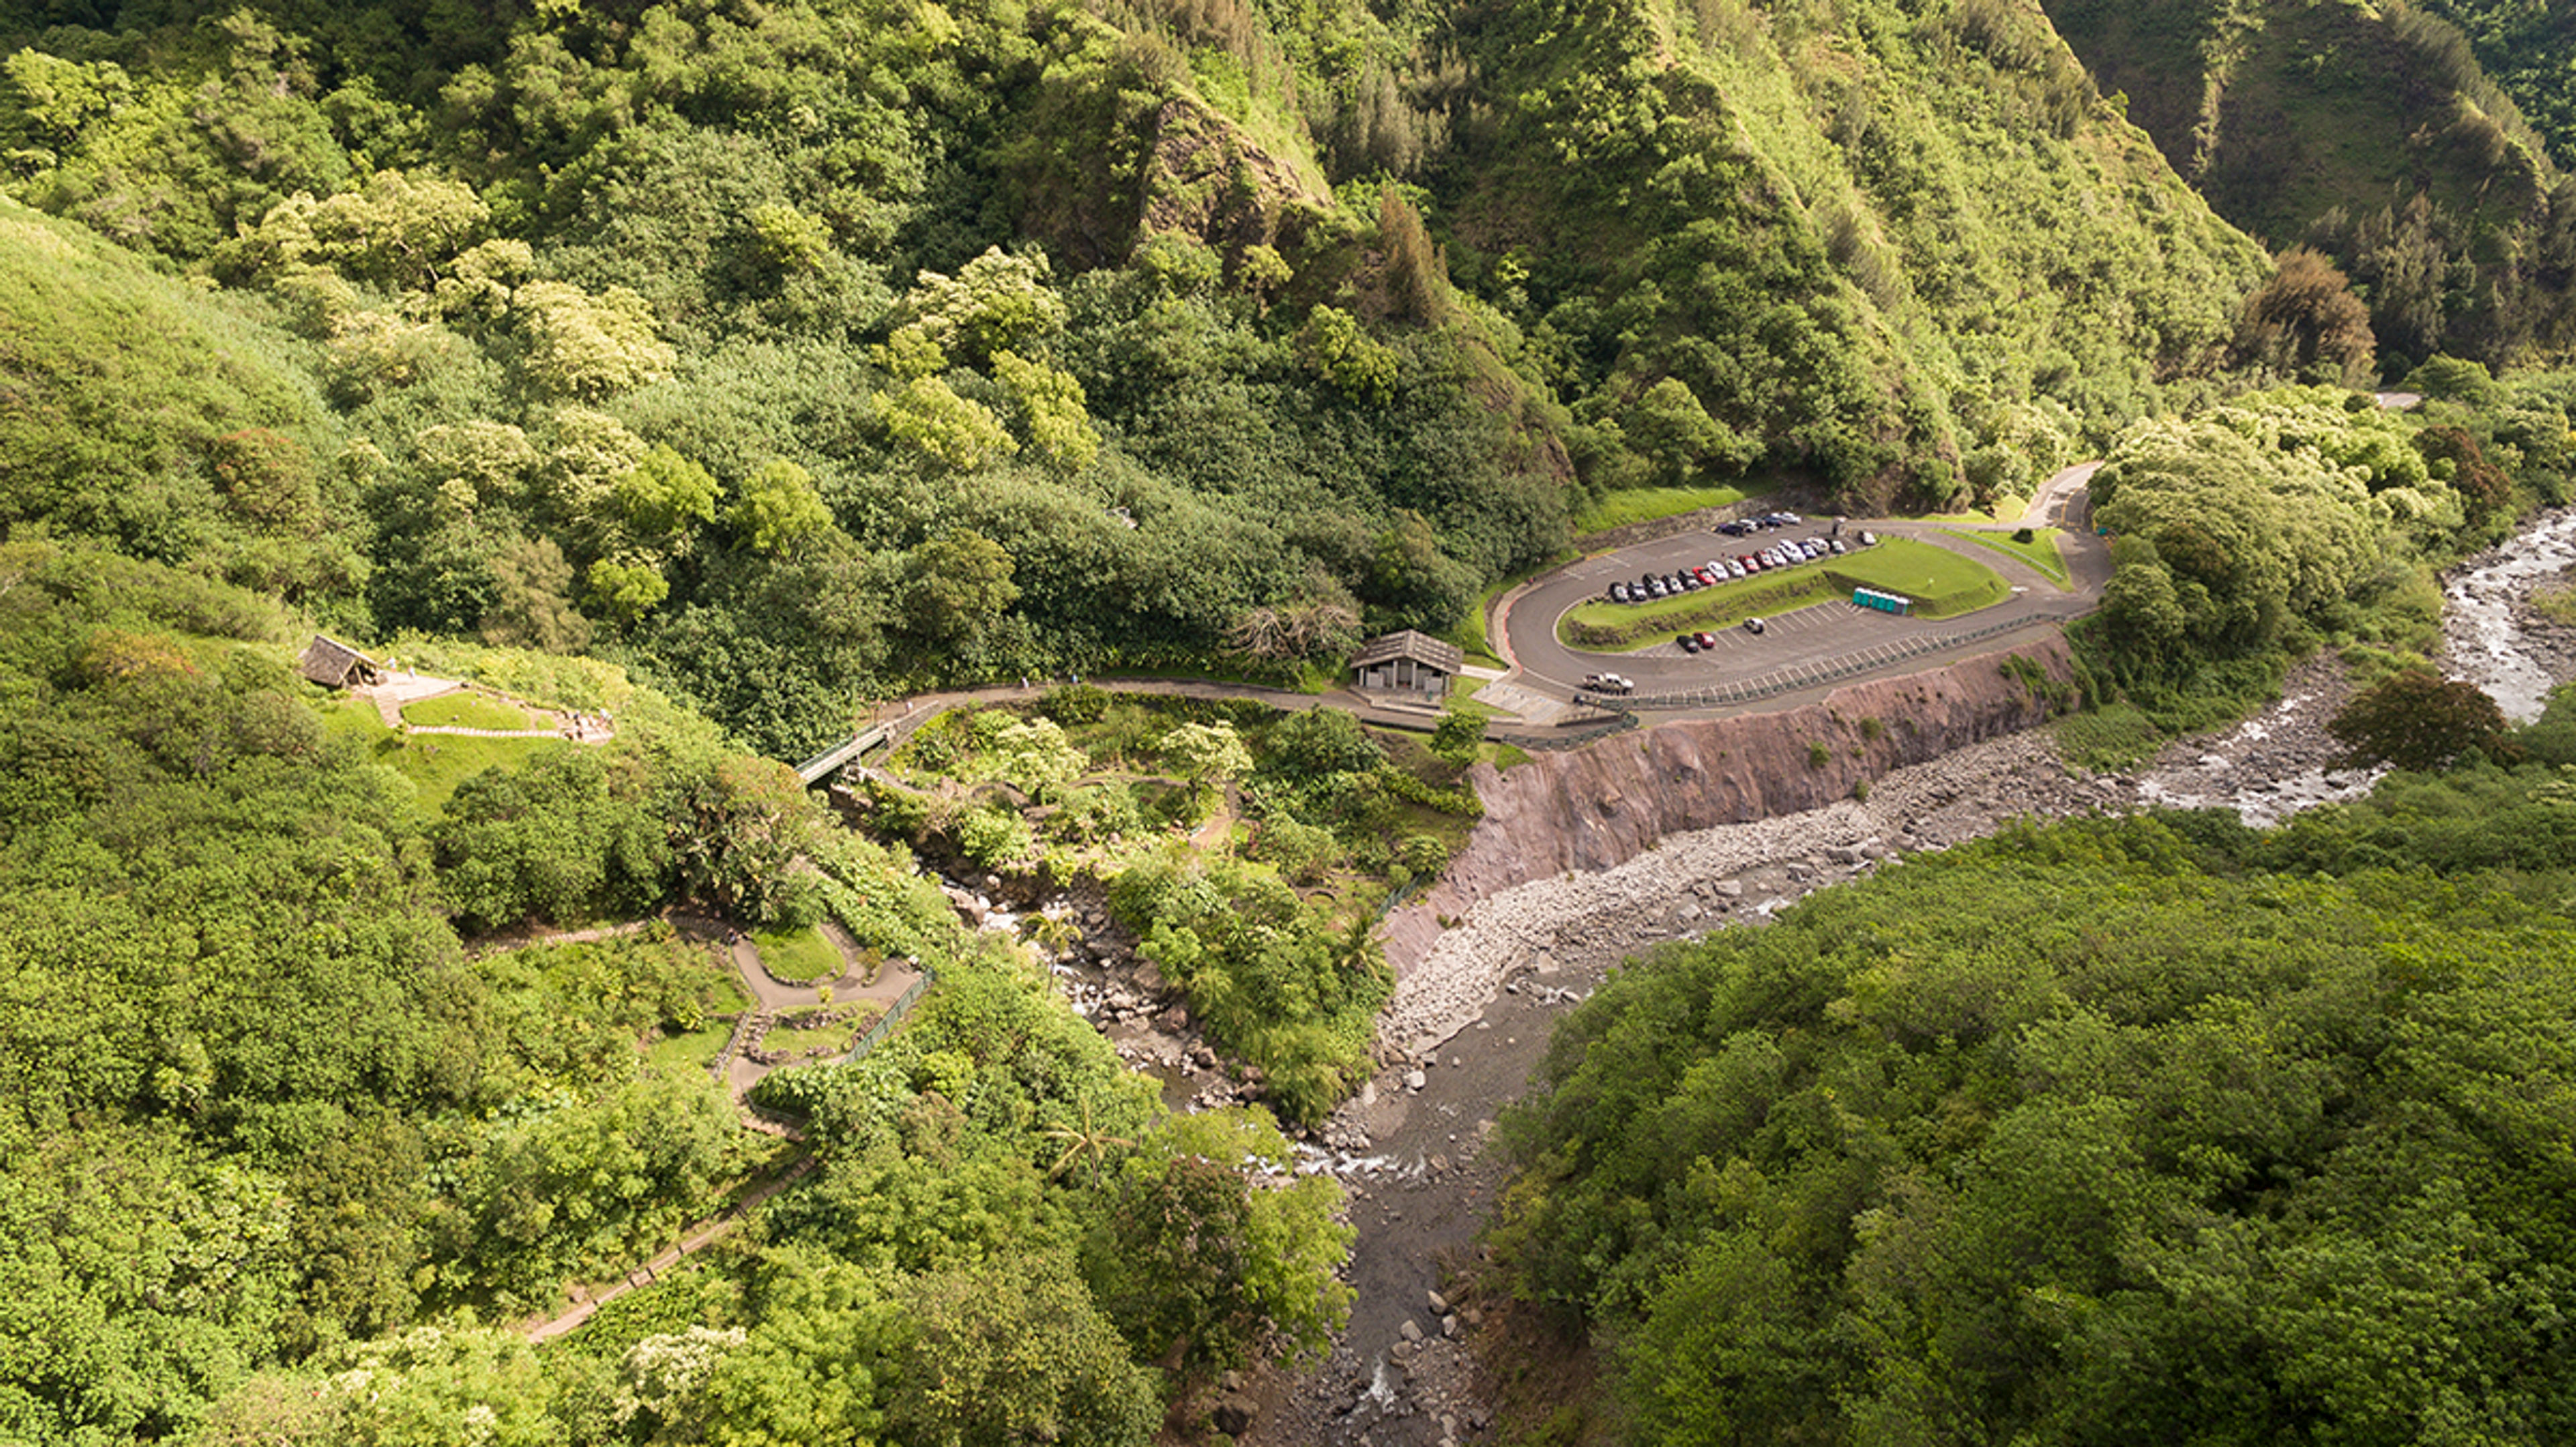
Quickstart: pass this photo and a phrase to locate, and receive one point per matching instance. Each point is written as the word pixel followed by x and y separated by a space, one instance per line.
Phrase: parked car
pixel 1656 587
pixel 1706 639
pixel 1754 625
pixel 1686 642
pixel 1607 683
pixel 1706 578
pixel 1868 539
pixel 1838 547
pixel 1618 592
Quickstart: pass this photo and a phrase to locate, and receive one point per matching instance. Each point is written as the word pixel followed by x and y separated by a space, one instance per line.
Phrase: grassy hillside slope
pixel 143 411
pixel 2369 133
pixel 1910 241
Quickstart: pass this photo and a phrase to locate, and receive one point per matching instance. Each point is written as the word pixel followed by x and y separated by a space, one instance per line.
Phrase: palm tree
pixel 1090 1140
pixel 1051 934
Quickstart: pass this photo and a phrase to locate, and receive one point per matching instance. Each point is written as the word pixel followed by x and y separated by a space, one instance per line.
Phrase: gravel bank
pixel 1692 883
pixel 1471 1019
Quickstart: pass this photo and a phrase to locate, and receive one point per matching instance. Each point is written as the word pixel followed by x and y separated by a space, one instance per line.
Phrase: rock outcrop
pixel 1594 808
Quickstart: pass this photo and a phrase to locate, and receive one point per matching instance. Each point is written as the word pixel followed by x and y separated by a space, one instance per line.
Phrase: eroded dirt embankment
pixel 1595 808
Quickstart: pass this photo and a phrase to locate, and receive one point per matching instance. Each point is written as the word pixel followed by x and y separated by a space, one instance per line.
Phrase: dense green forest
pixel 728 367
pixel 2373 134
pixel 794 354
pixel 284 1152
pixel 2107 1131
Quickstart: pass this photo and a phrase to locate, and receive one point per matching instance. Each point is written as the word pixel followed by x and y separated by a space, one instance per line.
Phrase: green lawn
pixel 693 1051
pixel 467 710
pixel 1469 635
pixel 723 994
pixel 798 955
pixel 1645 504
pixel 2112 737
pixel 2007 509
pixel 790 1037
pixel 2041 552
pixel 435 763
pixel 1941 583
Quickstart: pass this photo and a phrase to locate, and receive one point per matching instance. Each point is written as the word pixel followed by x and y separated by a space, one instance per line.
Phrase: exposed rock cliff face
pixel 1126 173
pixel 1594 808
pixel 1206 178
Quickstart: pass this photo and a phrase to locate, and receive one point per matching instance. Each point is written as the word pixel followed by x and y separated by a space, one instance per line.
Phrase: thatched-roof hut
pixel 334 664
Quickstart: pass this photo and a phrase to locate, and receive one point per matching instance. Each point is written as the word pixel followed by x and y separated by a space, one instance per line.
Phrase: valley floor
pixel 1412 1147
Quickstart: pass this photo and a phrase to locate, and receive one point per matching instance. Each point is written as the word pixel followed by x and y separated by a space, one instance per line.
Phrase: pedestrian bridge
pixel 823 765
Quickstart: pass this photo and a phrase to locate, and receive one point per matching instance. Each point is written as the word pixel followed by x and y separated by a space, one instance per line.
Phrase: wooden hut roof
pixel 332 663
pixel 1429 652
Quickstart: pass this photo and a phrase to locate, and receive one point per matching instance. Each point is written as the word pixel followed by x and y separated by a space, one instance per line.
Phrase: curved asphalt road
pixel 1823 633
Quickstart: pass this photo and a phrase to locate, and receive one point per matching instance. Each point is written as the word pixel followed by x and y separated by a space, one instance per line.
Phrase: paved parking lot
pixel 1825 642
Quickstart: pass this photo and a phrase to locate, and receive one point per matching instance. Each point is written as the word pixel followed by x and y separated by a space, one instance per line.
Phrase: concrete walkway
pixel 394 690
pixel 774 997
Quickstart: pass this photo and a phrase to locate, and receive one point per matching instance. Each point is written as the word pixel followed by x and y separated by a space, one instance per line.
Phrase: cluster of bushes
pixel 2161 1122
pixel 2286 520
pixel 276 1141
pixel 1007 1241
pixel 1286 984
pixel 1289 986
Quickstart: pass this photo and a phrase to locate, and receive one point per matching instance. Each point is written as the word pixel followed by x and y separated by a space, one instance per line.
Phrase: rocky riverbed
pixel 1476 1001
pixel 1471 1019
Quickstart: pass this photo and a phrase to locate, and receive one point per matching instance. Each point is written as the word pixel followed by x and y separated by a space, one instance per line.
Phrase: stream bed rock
pixel 1489 966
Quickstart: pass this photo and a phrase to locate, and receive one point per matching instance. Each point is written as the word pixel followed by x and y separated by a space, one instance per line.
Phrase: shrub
pixel 1454 742
pixel 1074 703
pixel 1303 852
pixel 2417 720
pixel 1322 741
pixel 1422 854
pixel 1101 812
pixel 993 837
pixel 1462 803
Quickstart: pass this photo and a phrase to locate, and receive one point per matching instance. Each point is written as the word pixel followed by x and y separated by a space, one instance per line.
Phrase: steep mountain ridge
pixel 1911 242
pixel 2369 132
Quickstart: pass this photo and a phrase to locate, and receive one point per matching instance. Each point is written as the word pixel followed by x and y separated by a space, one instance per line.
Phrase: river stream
pixel 1421 1183
pixel 2486 641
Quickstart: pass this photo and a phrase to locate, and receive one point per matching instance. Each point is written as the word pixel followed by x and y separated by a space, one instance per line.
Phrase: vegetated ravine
pixel 1516 934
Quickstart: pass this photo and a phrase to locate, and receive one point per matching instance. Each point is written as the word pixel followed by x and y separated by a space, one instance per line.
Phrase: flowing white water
pixel 2485 646
pixel 2212 781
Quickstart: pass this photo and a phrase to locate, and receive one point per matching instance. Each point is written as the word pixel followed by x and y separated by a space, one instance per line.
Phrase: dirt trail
pixel 698 1238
